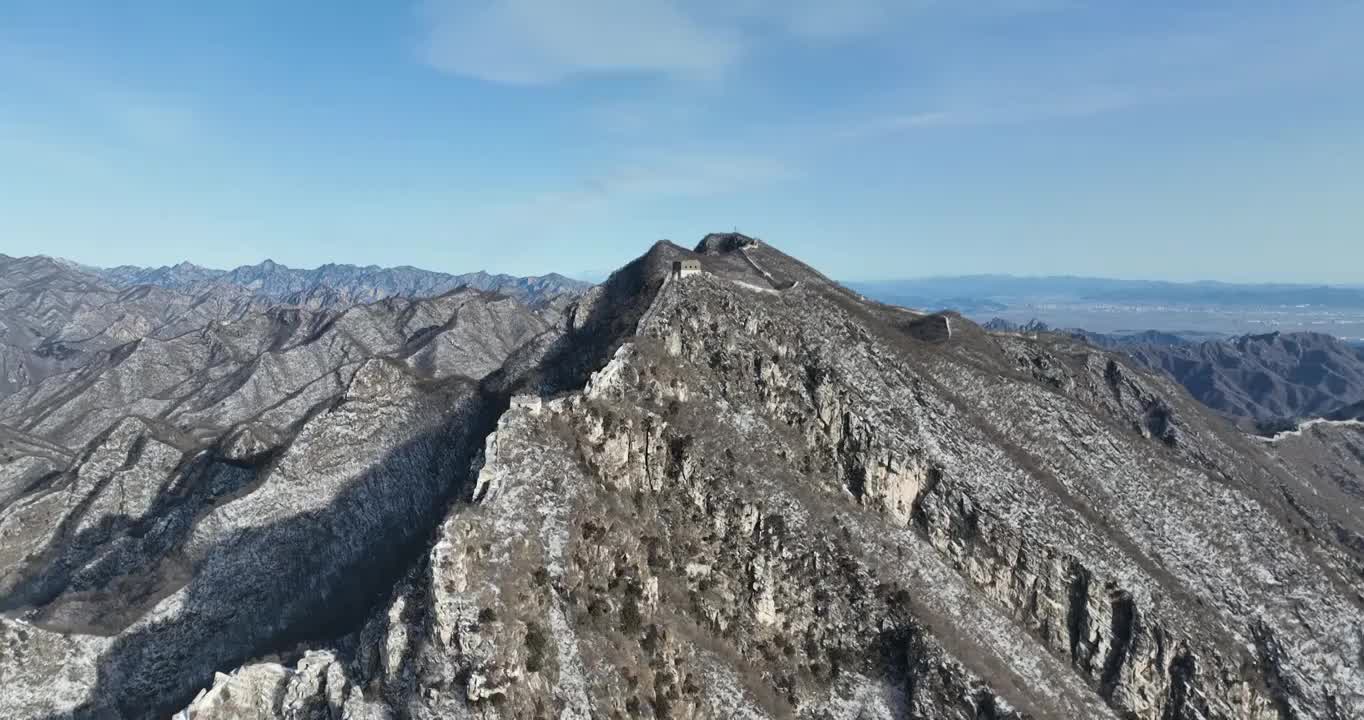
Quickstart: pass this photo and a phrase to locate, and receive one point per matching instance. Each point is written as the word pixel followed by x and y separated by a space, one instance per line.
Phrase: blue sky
pixel 872 138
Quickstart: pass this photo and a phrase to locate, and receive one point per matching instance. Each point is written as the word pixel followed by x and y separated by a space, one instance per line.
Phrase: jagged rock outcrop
pixel 750 493
pixel 318 688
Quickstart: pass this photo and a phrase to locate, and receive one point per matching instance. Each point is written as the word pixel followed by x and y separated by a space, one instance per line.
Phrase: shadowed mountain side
pixel 311 577
pixel 1349 412
pixel 300 547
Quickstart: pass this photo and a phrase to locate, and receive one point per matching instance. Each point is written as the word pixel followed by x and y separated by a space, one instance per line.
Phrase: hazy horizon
pixel 599 276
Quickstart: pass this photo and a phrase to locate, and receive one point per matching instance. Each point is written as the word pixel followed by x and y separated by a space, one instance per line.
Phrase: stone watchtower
pixel 686 268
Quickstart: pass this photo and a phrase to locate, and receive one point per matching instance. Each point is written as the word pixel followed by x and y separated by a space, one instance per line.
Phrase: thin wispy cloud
pixel 149 120
pixel 531 42
pixel 822 20
pixel 643 176
pixel 1197 56
pixel 1067 105
pixel 125 115
pixel 534 42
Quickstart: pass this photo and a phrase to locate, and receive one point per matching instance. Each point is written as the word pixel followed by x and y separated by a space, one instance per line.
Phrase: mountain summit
pixel 745 492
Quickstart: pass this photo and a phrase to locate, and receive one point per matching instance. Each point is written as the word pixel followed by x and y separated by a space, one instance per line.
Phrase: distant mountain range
pixel 1110 341
pixel 1263 377
pixel 56 315
pixel 1273 380
pixel 1126 306
pixel 972 292
pixel 332 284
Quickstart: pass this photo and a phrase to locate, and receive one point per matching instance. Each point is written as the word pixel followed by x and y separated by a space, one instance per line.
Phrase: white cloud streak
pixel 644 176
pixel 148 120
pixel 533 42
pixel 528 42
pixel 544 41
pixel 125 116
pixel 1193 56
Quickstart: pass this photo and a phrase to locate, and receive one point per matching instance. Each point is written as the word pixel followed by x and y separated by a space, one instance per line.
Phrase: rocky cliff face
pixel 749 493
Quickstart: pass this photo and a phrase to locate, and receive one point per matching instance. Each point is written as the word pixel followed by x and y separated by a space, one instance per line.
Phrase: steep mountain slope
pixel 1331 454
pixel 748 493
pixel 333 286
